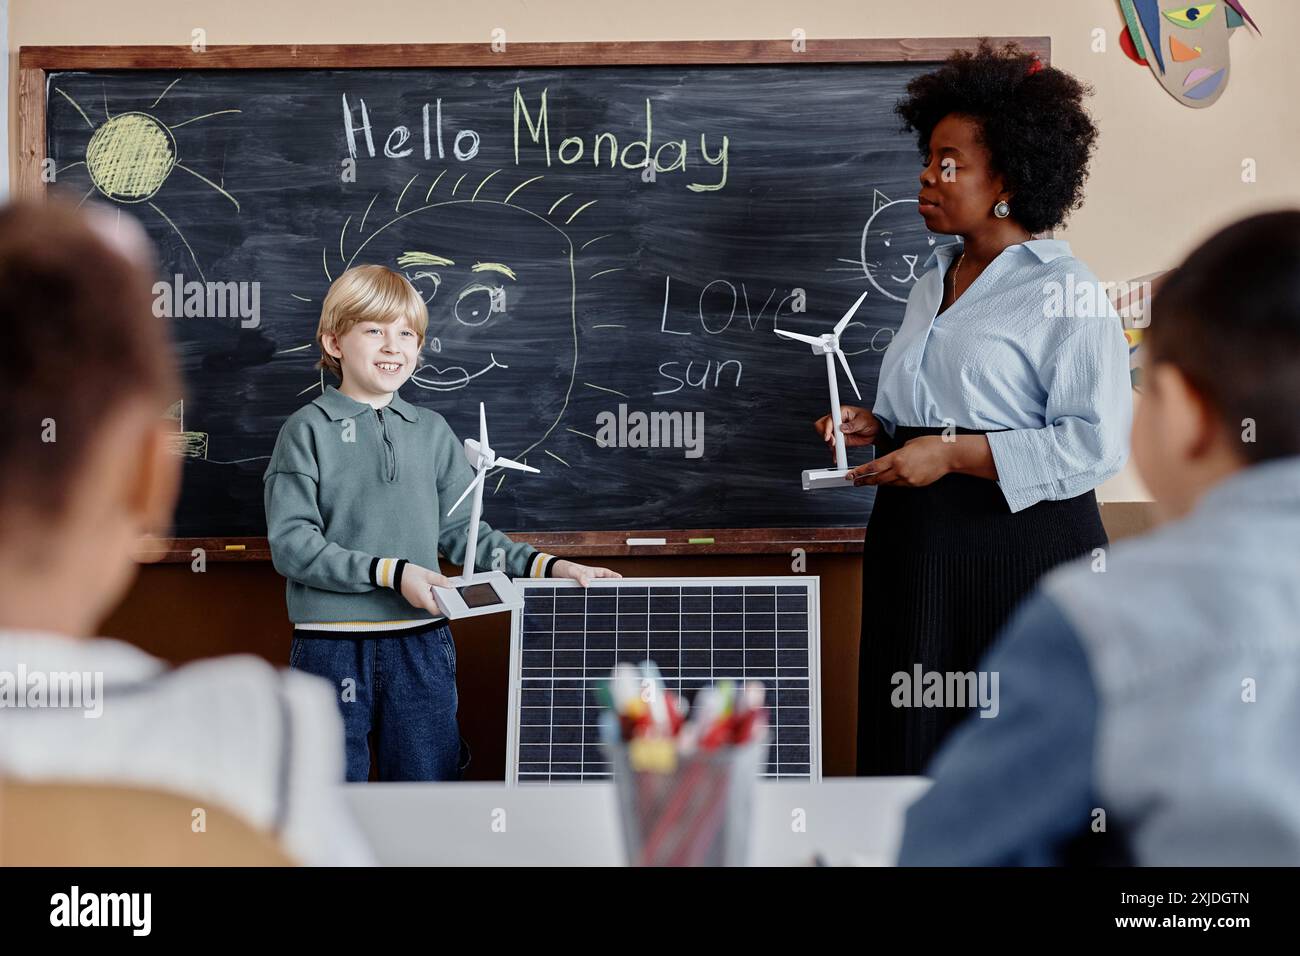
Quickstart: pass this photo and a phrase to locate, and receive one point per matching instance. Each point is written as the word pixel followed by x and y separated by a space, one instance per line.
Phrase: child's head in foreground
pixel 86 374
pixel 1222 384
pixel 372 327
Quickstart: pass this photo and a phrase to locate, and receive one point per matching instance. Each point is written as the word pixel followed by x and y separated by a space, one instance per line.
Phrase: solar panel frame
pixel 809 585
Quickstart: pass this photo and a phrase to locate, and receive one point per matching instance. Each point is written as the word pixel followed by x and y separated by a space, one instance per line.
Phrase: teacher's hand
pixel 920 462
pixel 859 426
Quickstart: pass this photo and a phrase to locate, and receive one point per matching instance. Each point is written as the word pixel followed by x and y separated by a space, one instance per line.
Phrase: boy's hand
pixel 581 573
pixel 416 582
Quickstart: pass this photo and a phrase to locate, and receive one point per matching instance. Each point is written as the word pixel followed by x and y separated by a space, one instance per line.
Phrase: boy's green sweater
pixel 353 493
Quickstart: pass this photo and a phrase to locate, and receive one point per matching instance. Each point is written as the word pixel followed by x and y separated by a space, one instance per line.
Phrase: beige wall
pixel 1164 177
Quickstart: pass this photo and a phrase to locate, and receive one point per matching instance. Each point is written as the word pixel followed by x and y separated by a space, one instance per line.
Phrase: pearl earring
pixel 1002 209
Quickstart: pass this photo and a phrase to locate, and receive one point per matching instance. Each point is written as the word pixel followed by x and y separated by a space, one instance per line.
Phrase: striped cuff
pixel 541 564
pixel 387 572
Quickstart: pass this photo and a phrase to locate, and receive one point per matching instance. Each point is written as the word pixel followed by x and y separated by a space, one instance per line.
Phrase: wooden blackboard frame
pixel 36 62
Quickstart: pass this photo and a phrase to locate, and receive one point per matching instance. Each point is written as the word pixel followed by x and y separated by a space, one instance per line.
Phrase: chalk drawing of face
pixel 895 246
pixel 503 297
pixel 1185 45
pixel 491 275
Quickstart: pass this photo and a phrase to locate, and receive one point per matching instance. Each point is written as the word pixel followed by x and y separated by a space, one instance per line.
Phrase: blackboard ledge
pixel 568 544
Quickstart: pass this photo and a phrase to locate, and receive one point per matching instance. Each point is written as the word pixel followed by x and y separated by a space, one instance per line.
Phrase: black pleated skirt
pixel 943 568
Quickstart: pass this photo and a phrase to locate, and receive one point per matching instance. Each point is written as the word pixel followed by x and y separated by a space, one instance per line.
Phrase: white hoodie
pixel 264 743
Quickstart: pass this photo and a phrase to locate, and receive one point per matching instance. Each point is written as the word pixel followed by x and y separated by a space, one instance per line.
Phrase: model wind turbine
pixel 828 344
pixel 482 592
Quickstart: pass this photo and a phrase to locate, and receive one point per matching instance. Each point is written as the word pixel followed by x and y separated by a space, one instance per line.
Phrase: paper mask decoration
pixel 1132 300
pixel 1185 45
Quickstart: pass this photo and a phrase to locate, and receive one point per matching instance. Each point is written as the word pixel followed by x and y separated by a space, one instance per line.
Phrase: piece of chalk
pixel 700 541
pixel 234 547
pixel 647 540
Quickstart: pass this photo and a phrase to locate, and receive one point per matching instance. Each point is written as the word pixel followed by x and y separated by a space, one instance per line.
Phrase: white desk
pixel 846 819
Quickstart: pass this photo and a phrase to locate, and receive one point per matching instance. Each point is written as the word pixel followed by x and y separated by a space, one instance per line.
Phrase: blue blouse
pixel 1033 352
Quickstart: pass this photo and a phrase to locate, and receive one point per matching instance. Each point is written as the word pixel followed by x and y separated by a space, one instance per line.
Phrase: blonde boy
pixel 356 498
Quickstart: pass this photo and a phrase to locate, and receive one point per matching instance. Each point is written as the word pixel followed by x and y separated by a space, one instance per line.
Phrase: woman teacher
pixel 1003 400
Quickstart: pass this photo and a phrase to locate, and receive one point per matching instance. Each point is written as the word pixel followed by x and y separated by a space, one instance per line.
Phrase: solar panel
pixel 697 630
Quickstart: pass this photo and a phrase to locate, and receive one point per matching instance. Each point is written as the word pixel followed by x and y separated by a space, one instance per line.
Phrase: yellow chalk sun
pixel 130 156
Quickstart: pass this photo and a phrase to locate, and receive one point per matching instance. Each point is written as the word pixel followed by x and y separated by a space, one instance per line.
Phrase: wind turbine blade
pixel 811 340
pixel 845 362
pixel 843 323
pixel 508 463
pixel 484 447
pixel 478 480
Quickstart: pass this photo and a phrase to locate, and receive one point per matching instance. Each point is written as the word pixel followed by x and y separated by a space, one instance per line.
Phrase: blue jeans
pixel 403 689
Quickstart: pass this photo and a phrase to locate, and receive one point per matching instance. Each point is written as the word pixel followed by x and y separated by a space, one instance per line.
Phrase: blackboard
pixel 565 296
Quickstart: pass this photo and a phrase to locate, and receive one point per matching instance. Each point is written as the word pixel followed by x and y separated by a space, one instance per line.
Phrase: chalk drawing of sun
pixel 504 285
pixel 131 156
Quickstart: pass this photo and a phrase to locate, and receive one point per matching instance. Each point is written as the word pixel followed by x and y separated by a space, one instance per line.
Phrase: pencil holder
pixel 698 813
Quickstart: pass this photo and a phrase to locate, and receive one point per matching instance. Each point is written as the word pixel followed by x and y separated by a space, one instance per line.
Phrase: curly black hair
pixel 1032 120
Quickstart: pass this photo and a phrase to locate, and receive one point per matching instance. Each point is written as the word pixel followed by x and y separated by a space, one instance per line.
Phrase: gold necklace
pixel 956 274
